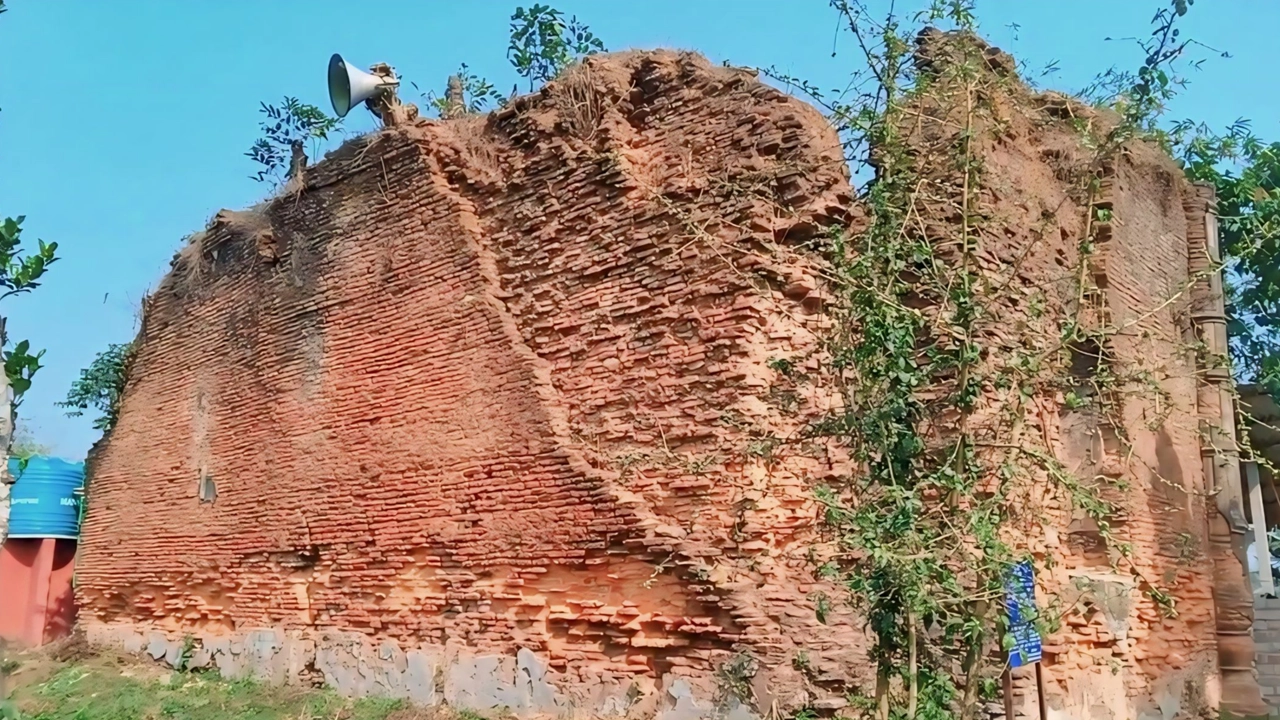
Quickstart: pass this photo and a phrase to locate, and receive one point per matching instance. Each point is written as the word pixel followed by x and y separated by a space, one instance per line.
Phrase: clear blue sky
pixel 124 122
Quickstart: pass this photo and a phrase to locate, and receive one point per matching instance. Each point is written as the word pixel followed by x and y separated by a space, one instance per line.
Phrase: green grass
pixel 98 691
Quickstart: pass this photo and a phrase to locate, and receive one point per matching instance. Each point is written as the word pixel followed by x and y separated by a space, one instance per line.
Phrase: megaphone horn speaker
pixel 350 86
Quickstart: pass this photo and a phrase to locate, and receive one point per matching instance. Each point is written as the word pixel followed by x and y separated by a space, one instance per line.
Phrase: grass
pixel 107 688
pixel 104 689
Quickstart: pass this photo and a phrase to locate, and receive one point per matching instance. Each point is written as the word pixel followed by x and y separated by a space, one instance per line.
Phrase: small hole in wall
pixel 1086 357
pixel 208 492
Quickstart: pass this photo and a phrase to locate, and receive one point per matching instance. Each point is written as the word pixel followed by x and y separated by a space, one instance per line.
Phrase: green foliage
pixel 99 691
pixel 286 129
pixel 1140 97
pixel 1245 171
pixel 185 654
pixel 100 386
pixel 544 43
pixel 21 273
pixel 479 95
pixel 821 607
pixel 925 525
pixel 923 578
pixel 20 366
pixel 733 678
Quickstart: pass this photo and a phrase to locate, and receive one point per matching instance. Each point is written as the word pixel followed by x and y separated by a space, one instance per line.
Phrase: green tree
pixel 543 43
pixel 100 386
pixel 20 272
pixel 1246 173
pixel 286 130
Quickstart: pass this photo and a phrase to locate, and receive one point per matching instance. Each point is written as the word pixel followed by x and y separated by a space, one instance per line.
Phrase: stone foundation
pixel 357 666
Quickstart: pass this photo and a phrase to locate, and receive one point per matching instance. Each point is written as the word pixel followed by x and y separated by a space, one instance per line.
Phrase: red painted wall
pixel 37 604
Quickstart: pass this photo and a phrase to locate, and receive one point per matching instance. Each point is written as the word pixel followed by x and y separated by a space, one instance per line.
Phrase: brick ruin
pixel 479 413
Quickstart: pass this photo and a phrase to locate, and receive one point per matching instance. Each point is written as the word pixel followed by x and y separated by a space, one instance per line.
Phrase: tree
pixel 100 386
pixel 20 273
pixel 543 43
pixel 1245 171
pixel 286 130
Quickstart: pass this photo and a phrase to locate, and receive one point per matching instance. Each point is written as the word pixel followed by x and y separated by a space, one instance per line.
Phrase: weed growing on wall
pixel 544 42
pixel 286 129
pixel 474 95
pixel 935 407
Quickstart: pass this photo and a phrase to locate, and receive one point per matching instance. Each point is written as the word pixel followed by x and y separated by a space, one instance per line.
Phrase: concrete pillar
pixel 1267 584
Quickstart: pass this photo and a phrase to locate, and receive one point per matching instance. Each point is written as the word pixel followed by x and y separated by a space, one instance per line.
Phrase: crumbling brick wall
pixel 1117 653
pixel 494 383
pixel 483 413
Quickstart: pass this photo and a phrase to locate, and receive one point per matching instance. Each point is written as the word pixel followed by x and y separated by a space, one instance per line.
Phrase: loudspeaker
pixel 350 86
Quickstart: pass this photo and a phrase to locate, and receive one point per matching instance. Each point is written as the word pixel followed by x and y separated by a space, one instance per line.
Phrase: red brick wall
pixel 494 382
pixel 502 382
pixel 1117 648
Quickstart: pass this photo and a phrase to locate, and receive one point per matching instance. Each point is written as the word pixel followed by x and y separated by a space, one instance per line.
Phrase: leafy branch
pixel 543 43
pixel 101 386
pixel 286 129
pixel 21 273
pixel 477 95
pixel 1245 172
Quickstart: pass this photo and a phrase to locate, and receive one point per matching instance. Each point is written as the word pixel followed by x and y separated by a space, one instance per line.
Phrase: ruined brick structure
pixel 488 384
pixel 480 413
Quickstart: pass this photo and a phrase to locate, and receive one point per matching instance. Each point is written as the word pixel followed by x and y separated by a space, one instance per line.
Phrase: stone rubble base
pixel 355 665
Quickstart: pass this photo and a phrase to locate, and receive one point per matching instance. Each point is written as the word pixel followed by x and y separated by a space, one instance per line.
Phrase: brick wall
pixel 1117 654
pixel 491 384
pixel 483 413
pixel 1266 633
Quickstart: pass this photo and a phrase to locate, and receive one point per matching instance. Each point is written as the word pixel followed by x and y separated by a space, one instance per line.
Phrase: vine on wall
pixel 937 407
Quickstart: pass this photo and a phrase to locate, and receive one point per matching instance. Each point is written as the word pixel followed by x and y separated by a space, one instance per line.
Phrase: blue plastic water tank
pixel 44 501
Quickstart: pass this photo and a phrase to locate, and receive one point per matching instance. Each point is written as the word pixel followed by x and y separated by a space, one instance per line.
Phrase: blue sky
pixel 124 123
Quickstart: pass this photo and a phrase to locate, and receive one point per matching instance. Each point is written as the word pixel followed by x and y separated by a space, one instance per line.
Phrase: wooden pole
pixel 1008 689
pixel 1044 709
